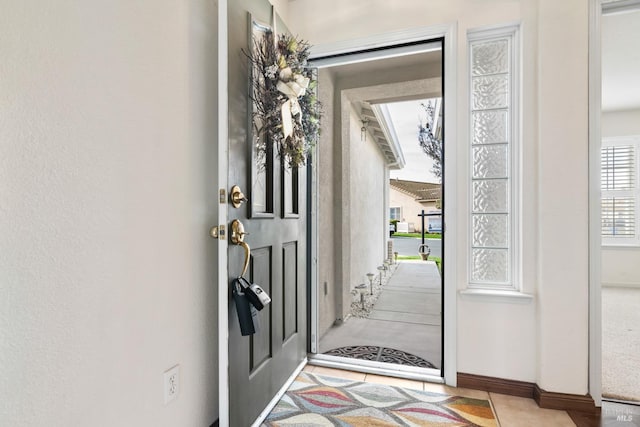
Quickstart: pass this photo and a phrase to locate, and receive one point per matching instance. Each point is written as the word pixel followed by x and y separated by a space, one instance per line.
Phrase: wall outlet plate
pixel 171 384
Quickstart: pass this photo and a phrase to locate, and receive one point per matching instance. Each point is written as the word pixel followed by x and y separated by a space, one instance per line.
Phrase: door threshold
pixel 621 401
pixel 378 368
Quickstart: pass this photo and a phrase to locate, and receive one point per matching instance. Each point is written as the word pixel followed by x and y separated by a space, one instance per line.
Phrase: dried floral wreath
pixel 286 111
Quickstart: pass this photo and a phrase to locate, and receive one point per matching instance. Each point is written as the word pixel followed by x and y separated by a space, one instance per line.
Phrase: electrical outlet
pixel 171 384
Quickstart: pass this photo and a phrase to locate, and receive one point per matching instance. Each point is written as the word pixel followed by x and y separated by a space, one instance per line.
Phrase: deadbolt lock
pixel 237 197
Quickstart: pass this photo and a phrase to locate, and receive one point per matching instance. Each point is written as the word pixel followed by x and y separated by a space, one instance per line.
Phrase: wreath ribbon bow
pixel 293 86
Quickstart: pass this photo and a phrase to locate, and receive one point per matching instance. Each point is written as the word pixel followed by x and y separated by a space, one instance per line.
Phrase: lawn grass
pixel 418 235
pixel 408 257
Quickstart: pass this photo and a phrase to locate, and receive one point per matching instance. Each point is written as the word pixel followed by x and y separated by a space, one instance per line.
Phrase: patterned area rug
pixel 317 400
pixel 380 354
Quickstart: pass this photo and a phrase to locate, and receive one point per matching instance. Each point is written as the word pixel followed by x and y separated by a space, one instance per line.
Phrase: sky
pixel 405 117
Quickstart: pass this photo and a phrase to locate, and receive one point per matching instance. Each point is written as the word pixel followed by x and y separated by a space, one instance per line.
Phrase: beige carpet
pixel 621 343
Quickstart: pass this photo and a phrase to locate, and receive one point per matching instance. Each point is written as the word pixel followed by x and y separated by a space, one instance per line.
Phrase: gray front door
pixel 274 218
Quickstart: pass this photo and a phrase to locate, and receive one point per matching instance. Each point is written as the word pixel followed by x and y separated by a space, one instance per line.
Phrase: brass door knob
pixel 237 232
pixel 237 237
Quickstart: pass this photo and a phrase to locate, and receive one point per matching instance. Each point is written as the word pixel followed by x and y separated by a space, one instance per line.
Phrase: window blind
pixel 618 167
pixel 619 191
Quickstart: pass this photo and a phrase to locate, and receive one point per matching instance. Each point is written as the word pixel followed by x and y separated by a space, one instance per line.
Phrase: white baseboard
pixel 621 285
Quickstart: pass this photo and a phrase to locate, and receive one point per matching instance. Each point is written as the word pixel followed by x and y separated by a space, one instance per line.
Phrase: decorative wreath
pixel 286 111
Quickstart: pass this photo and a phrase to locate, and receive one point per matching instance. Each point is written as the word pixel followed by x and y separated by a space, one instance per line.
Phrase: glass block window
pixel 620 191
pixel 494 94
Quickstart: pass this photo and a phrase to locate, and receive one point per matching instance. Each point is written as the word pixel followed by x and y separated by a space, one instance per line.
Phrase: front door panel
pixel 274 219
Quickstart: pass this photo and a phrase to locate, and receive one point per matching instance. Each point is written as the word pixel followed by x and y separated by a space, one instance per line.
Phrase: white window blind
pixel 620 192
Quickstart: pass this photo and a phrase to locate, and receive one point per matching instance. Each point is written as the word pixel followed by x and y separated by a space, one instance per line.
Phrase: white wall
pixel 544 341
pixel 282 8
pixel 563 226
pixel 620 265
pixel 367 207
pixel 107 137
pixel 621 123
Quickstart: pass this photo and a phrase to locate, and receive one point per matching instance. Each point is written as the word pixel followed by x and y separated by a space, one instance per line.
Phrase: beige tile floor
pixel 511 411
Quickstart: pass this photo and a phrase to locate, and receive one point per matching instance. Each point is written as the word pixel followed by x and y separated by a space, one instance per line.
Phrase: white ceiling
pixel 621 61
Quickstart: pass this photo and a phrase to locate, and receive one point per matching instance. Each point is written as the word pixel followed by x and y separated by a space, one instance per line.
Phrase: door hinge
pixel 223 196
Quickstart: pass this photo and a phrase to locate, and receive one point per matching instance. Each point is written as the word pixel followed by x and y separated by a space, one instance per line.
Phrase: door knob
pixel 237 232
pixel 237 238
pixel 217 232
pixel 237 197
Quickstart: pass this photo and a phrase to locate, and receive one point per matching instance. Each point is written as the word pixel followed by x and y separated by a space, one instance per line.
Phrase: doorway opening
pixel 620 201
pixel 371 308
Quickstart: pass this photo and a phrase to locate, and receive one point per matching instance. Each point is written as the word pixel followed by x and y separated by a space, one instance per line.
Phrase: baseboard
pixel 496 385
pixel 565 402
pixel 630 285
pixel 544 399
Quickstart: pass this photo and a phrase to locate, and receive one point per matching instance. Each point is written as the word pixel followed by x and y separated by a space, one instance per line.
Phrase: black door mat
pixel 380 354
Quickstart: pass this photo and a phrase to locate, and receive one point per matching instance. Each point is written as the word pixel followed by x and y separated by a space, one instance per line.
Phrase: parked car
pixel 435 228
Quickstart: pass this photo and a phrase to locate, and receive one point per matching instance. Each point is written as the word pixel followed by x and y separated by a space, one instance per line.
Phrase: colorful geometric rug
pixel 318 400
pixel 380 354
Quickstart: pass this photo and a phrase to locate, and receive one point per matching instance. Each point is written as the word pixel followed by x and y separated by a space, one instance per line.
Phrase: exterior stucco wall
pixel 367 208
pixel 328 213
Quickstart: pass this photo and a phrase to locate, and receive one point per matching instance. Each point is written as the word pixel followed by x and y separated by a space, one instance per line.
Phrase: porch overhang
pixel 384 134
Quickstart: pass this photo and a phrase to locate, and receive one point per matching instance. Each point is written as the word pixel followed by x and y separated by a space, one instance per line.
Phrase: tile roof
pixel 422 191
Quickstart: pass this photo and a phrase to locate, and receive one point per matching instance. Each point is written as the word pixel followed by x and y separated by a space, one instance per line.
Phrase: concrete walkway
pixel 405 317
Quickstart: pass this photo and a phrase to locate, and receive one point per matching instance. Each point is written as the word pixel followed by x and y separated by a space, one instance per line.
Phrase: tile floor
pixel 511 411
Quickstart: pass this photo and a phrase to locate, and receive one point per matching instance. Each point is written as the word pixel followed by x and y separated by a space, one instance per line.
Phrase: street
pixel 409 246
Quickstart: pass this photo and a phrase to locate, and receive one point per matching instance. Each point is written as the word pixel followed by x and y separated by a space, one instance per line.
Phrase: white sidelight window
pixel 620 191
pixel 494 140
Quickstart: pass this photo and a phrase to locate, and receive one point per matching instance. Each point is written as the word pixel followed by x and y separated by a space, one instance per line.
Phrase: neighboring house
pixel 407 201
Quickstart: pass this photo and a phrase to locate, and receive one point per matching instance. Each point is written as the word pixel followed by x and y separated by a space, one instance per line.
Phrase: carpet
pixel 317 400
pixel 380 354
pixel 620 343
